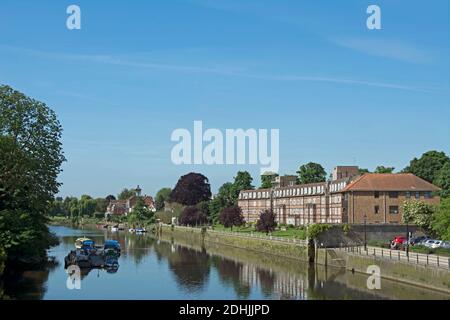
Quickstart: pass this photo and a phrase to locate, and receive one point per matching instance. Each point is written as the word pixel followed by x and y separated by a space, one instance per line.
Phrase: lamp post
pixel 365 232
pixel 407 237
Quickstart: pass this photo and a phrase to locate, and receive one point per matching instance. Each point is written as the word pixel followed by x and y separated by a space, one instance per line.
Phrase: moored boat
pixel 80 241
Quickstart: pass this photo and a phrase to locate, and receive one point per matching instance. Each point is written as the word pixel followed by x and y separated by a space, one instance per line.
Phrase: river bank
pixel 427 277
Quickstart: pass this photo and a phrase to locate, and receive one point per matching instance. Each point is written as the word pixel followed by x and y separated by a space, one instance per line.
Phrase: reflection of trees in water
pixel 190 267
pixel 138 246
pixel 29 285
pixel 230 275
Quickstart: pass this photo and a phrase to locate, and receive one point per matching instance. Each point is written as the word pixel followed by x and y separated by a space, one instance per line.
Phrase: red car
pixel 398 242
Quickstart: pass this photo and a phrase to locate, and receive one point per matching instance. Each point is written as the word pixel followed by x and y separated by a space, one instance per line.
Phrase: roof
pixel 390 182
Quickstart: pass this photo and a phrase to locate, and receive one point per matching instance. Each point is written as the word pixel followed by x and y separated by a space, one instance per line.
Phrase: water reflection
pixel 168 268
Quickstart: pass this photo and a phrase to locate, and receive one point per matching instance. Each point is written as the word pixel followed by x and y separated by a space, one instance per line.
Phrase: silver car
pixel 431 243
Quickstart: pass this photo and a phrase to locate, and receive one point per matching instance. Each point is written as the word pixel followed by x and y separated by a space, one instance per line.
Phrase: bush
pixel 315 230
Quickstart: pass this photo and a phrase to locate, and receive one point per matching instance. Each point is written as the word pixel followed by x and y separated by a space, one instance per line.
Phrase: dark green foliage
pixel 428 165
pixel 267 178
pixel 30 161
pixel 162 196
pixel 443 180
pixel 311 173
pixel 383 169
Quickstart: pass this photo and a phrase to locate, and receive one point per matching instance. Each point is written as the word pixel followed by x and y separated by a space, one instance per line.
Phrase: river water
pixel 167 268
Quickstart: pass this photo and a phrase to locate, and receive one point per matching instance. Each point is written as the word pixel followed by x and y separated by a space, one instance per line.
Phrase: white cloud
pixel 385 48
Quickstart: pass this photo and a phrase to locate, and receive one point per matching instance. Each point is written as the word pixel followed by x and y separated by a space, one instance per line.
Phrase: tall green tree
pixel 428 165
pixel 418 213
pixel 267 179
pixel 383 169
pixel 311 173
pixel 242 181
pixel 30 162
pixel 161 197
pixel 441 220
pixel 140 215
pixel 224 198
pixel 442 180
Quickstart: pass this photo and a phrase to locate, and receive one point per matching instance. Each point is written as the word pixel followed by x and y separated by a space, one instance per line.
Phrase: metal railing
pixel 428 260
pixel 252 235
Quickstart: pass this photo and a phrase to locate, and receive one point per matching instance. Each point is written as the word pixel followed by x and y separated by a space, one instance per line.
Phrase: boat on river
pixel 80 241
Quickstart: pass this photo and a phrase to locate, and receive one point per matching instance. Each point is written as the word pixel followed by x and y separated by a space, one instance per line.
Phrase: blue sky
pixel 339 93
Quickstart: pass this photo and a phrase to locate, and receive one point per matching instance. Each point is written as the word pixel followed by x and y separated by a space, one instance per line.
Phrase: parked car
pixel 432 243
pixel 445 245
pixel 418 240
pixel 398 242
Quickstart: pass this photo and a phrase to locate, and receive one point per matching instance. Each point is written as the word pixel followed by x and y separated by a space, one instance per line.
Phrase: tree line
pixel 30 161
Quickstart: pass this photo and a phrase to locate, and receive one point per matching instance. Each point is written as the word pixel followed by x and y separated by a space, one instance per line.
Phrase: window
pixel 393 194
pixel 408 194
pixel 417 195
pixel 376 194
pixel 377 209
pixel 393 209
pixel 428 195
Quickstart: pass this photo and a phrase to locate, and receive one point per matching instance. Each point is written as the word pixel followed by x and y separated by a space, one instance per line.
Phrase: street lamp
pixel 365 232
pixel 407 237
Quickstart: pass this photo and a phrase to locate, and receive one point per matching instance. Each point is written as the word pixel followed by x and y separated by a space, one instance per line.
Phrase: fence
pixel 252 235
pixel 428 260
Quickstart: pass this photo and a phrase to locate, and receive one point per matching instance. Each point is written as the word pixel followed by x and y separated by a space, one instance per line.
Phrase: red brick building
pixel 378 197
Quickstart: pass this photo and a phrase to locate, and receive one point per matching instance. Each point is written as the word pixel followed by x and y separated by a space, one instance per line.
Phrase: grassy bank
pixel 282 231
pixel 288 250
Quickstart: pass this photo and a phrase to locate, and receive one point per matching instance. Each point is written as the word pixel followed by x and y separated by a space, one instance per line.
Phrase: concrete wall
pixel 289 250
pixel 380 232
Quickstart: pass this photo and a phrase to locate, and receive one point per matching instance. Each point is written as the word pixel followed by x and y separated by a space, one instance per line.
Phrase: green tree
pixel 30 162
pixel 267 179
pixel 140 215
pixel 440 223
pixel 311 173
pixel 162 196
pixel 125 194
pixel 418 213
pixel 383 169
pixel 428 165
pixel 225 198
pixel 363 171
pixel 443 180
pixel 242 181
